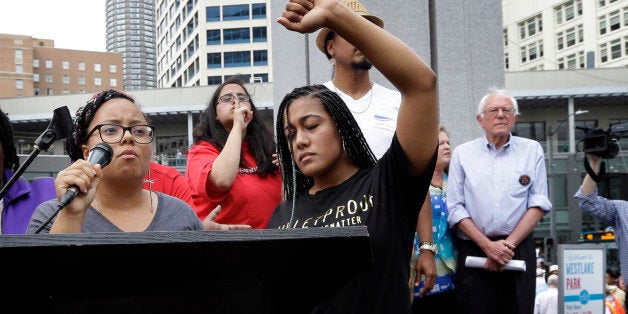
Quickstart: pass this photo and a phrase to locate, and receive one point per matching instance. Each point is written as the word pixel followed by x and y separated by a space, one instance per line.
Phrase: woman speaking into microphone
pixel 111 198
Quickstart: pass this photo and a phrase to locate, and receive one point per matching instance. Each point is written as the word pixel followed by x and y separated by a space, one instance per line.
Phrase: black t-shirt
pixel 386 199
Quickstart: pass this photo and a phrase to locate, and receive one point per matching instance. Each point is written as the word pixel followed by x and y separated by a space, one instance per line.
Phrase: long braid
pixel 353 140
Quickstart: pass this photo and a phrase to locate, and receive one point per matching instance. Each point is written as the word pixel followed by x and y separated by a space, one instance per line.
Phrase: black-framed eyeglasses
pixel 229 98
pixel 113 133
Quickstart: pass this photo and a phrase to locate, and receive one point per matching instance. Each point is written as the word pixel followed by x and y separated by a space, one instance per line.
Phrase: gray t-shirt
pixel 172 214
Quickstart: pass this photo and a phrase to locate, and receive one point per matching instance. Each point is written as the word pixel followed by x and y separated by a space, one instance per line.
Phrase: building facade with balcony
pixel 559 34
pixel 202 42
pixel 130 27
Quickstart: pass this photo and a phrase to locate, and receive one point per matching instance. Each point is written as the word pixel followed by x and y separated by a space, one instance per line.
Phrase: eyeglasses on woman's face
pixel 228 98
pixel 113 133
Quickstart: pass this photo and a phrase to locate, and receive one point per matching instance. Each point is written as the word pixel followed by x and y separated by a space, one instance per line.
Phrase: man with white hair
pixel 496 195
pixel 546 302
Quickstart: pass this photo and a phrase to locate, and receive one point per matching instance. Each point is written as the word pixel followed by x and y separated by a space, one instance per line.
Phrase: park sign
pixel 581 270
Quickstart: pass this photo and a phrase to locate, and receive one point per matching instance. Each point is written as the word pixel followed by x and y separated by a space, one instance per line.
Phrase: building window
pixel 260 77
pixel 571 61
pixel 505 37
pixel 531 130
pixel 237 59
pixel 615 49
pixel 81 80
pixel 568 11
pixel 260 57
pixel 212 14
pixel 506 61
pixel 97 81
pixel 19 68
pixel 213 60
pixel 602 3
pixel 581 60
pixel 236 35
pixel 48 64
pixel 18 56
pixel 602 25
pixel 35 63
pixel 259 10
pixel 530 27
pixel 19 84
pixel 214 80
pixel 532 52
pixel 213 37
pixel 96 67
pixel 49 78
pixel 81 66
pixel 569 37
pixel 35 77
pixel 563 133
pixel 66 91
pixel 36 91
pixel 614 22
pixel 603 52
pixel 65 65
pixel 245 78
pixel 49 92
pixel 259 34
pixel 66 79
pixel 113 68
pixel 235 12
pixel 113 82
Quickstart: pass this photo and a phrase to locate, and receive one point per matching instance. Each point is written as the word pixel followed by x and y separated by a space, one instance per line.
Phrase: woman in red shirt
pixel 230 163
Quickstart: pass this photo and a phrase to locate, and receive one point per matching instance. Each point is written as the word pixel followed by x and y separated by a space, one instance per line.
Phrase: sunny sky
pixel 72 24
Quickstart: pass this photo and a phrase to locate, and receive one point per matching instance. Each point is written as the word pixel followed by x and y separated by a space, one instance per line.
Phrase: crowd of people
pixel 426 207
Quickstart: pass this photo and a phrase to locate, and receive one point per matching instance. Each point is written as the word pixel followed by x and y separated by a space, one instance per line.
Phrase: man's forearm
pixel 525 226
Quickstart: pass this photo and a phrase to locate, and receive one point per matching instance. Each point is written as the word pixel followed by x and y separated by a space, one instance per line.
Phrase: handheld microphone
pixel 100 154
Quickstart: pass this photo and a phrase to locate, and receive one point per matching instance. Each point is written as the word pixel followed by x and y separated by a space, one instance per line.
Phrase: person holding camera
pixel 611 212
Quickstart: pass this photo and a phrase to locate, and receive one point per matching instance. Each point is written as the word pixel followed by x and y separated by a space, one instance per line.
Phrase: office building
pixel 558 34
pixel 32 67
pixel 131 32
pixel 201 42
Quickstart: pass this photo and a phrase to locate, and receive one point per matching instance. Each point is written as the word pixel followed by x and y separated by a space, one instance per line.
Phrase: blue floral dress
pixel 446 256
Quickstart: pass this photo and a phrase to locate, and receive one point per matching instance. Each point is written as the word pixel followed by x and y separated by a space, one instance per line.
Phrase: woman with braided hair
pixel 332 179
pixel 111 199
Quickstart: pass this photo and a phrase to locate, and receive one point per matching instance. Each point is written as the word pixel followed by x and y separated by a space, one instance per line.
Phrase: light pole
pixel 550 180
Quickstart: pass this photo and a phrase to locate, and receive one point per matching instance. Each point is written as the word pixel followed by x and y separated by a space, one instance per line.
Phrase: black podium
pixel 243 271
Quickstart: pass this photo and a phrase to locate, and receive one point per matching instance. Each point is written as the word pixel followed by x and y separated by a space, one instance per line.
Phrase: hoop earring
pixel 332 61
